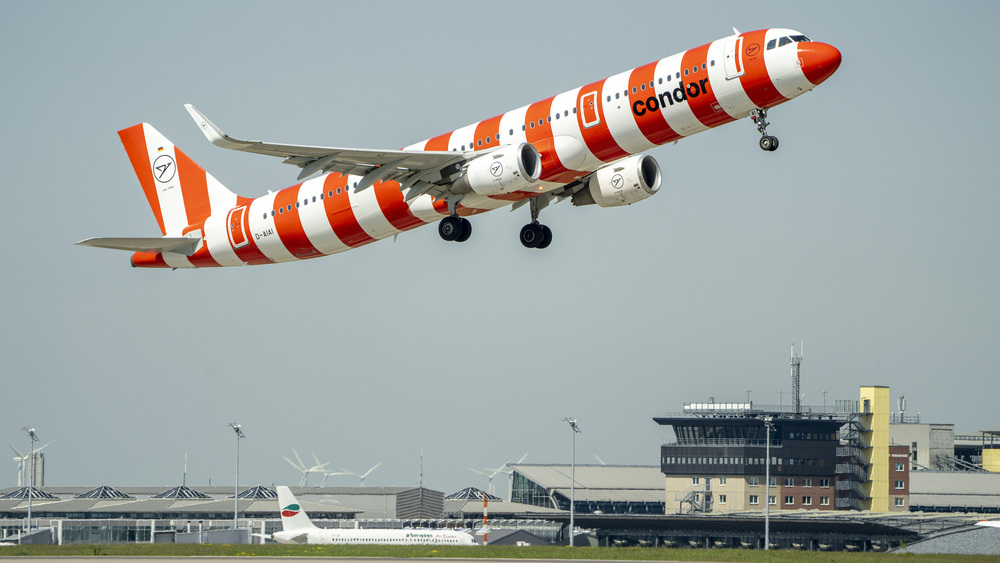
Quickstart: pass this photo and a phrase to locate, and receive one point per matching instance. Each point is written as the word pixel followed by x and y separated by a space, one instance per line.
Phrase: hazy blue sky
pixel 871 234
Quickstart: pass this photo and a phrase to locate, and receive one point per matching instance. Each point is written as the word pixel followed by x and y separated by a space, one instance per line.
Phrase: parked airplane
pixel 583 145
pixel 296 527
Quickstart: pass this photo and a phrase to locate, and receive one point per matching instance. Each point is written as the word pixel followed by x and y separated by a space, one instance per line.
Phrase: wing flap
pixel 180 245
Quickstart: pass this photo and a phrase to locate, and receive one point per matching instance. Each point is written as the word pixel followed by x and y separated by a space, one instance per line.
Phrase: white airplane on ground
pixel 297 528
pixel 584 145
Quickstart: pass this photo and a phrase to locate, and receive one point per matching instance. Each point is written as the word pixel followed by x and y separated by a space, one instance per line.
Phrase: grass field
pixel 490 552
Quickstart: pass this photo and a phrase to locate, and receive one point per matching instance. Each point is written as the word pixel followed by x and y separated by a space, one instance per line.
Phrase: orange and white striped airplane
pixel 584 145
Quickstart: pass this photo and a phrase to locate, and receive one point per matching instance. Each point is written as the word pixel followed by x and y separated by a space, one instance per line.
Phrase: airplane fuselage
pixel 373 537
pixel 576 133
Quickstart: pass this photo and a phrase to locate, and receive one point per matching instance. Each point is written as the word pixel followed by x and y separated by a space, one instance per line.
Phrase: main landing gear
pixel 767 142
pixel 534 234
pixel 455 228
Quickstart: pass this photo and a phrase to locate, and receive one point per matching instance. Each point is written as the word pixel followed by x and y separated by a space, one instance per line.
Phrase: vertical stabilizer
pixel 180 192
pixel 293 517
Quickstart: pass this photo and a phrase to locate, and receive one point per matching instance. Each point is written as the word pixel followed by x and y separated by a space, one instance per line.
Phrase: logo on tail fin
pixel 164 166
pixel 290 510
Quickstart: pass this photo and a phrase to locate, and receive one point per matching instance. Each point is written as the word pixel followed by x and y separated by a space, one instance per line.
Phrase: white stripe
pixel 217 238
pixel 314 219
pixel 679 115
pixel 423 208
pixel 169 193
pixel 271 245
pixel 729 93
pixel 175 260
pixel 570 152
pixel 618 114
pixel 368 212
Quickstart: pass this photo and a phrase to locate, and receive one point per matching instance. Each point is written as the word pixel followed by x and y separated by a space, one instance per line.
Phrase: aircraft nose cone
pixel 819 60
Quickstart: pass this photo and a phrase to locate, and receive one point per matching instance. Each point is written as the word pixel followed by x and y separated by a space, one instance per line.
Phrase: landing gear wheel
pixel 466 230
pixel 531 235
pixel 768 143
pixel 546 237
pixel 450 228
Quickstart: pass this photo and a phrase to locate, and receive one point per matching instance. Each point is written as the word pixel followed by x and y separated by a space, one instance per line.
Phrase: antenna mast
pixel 796 362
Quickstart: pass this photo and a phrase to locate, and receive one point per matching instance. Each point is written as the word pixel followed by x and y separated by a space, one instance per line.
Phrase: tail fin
pixel 179 191
pixel 293 517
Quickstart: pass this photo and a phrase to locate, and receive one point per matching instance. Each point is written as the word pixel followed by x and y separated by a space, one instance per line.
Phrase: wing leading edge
pixel 407 167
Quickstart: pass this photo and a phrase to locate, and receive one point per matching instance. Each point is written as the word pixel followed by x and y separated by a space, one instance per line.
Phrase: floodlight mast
pixel 572 480
pixel 767 484
pixel 31 479
pixel 236 497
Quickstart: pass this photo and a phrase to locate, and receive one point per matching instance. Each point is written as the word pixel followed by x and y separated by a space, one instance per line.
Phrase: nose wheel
pixel 767 142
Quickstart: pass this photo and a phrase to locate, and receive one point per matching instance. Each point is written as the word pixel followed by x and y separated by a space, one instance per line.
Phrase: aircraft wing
pixel 406 167
pixel 180 245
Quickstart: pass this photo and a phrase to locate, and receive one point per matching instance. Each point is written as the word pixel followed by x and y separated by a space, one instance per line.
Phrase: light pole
pixel 572 479
pixel 31 467
pixel 767 484
pixel 236 497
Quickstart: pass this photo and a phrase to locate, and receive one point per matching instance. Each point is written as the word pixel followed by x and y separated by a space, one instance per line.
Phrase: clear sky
pixel 871 234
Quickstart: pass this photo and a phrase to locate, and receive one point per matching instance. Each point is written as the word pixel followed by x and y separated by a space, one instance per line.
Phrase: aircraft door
pixel 588 109
pixel 237 227
pixel 734 58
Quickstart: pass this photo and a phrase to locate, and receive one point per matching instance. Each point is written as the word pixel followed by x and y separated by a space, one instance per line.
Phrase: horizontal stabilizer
pixel 180 245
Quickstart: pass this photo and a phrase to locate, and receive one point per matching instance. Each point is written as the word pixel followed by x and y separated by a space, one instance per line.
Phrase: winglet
pixel 212 131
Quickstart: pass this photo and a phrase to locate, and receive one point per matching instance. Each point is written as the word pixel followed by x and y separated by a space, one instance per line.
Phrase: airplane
pixel 297 528
pixel 584 145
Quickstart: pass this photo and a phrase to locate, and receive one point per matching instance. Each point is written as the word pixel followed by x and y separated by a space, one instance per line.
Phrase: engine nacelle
pixel 621 183
pixel 503 171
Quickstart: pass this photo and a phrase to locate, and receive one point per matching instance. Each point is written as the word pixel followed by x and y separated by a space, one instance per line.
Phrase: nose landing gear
pixel 767 142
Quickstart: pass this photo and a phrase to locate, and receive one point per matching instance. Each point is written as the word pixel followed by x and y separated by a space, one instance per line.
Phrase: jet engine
pixel 621 183
pixel 505 170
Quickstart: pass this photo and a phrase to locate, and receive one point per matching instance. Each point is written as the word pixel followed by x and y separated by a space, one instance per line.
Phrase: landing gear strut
pixel 767 142
pixel 455 228
pixel 534 234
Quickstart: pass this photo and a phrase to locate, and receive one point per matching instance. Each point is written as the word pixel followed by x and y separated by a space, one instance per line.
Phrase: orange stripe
pixel 135 146
pixel 704 104
pixel 652 122
pixel 202 258
pixel 539 133
pixel 148 260
pixel 338 208
pixel 755 81
pixel 194 188
pixel 288 225
pixel 598 137
pixel 396 211
pixel 486 134
pixel 439 143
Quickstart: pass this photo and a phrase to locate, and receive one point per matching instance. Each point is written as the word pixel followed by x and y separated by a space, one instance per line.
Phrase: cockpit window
pixel 786 40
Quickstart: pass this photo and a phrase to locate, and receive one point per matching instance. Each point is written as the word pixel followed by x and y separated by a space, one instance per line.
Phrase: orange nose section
pixel 819 60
